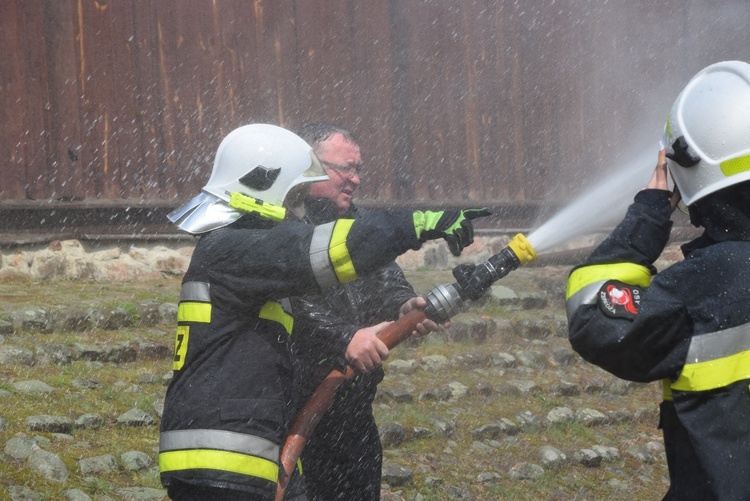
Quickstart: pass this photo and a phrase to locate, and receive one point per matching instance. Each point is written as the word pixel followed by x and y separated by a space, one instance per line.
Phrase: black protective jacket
pixel 328 321
pixel 229 405
pixel 688 326
pixel 342 459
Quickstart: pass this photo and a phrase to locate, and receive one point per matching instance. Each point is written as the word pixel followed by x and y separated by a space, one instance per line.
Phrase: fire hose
pixel 443 302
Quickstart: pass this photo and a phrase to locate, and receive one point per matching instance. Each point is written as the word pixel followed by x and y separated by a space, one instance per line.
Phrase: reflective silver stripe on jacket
pixel 718 344
pixel 218 439
pixel 586 295
pixel 716 360
pixel 319 256
pixel 196 291
pixel 286 305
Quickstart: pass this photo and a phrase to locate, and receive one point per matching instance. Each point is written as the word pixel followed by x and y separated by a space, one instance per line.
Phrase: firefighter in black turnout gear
pixel 688 326
pixel 344 455
pixel 342 458
pixel 228 406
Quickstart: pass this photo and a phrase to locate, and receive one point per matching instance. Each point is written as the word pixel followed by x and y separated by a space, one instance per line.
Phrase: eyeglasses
pixel 348 170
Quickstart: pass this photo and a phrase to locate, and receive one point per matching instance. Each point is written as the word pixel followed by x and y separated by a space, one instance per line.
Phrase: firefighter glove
pixel 453 225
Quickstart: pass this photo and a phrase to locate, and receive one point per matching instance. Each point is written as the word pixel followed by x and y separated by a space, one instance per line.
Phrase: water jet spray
pixel 603 204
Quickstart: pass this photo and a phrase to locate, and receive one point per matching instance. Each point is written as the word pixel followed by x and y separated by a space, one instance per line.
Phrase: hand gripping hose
pixel 443 302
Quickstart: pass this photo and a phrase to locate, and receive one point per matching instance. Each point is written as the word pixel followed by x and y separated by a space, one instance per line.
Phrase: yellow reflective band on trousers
pixel 209 459
pixel 275 312
pixel 735 165
pixel 189 311
pixel 339 253
pixel 629 273
pixel 716 360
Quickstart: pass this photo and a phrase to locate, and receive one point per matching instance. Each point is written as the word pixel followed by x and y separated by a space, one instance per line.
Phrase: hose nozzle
pixel 523 250
pixel 472 281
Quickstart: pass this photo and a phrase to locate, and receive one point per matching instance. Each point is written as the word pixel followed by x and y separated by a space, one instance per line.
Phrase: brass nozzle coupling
pixel 472 282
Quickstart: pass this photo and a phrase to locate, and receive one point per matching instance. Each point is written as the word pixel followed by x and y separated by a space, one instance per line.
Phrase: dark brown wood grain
pixel 492 101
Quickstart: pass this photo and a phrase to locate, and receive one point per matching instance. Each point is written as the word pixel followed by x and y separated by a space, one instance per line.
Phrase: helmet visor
pixel 316 168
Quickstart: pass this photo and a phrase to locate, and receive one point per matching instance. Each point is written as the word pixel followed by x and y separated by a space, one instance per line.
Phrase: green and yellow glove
pixel 453 225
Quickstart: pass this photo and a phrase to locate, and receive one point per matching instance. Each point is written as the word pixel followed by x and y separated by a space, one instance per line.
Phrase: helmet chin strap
pixel 253 205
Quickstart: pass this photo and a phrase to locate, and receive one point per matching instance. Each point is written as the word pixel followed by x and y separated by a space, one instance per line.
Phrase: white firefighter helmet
pixel 707 135
pixel 256 169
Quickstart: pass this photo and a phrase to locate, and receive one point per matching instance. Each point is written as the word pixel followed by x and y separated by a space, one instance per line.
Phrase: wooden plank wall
pixel 496 101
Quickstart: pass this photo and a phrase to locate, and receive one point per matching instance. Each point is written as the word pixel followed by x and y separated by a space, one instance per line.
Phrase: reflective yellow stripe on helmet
pixel 273 311
pixel 208 459
pixel 735 165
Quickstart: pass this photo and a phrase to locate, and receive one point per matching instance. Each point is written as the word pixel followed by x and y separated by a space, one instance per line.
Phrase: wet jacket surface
pixel 343 457
pixel 690 328
pixel 228 406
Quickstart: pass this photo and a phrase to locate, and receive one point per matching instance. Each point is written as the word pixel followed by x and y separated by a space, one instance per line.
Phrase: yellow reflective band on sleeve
pixel 188 311
pixel 713 374
pixel 249 204
pixel 666 389
pixel 180 347
pixel 275 312
pixel 207 459
pixel 629 273
pixel 339 253
pixel 735 165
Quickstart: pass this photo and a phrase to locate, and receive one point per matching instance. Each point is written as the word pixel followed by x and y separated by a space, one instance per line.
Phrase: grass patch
pixel 443 467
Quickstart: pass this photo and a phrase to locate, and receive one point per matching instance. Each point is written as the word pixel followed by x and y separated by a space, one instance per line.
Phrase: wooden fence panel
pixel 98 90
pixel 147 104
pixel 12 86
pixel 495 101
pixel 62 178
pixel 372 106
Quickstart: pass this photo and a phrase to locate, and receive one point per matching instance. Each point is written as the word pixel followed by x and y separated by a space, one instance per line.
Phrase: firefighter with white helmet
pixel 688 326
pixel 229 404
pixel 255 168
pixel 707 131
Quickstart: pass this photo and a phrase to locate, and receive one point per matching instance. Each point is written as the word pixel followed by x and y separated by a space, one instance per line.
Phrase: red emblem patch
pixel 619 300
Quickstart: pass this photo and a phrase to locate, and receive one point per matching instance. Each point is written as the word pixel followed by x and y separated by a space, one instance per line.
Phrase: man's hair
pixel 316 133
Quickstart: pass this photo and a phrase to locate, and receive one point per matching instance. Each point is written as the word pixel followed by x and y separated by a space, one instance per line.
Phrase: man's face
pixel 340 187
